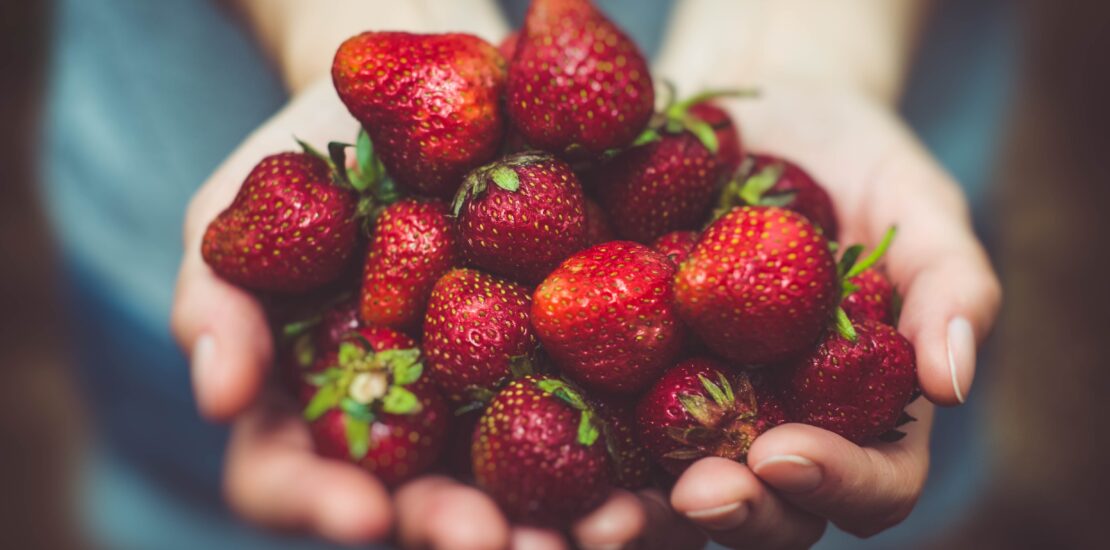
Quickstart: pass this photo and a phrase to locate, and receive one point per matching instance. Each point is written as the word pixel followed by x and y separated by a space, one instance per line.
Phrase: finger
pixel 438 512
pixel 274 478
pixel 864 490
pixel 727 500
pixel 533 538
pixel 666 528
pixel 619 520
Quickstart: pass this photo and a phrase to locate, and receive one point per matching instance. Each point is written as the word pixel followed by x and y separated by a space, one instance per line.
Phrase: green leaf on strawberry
pixel 358 436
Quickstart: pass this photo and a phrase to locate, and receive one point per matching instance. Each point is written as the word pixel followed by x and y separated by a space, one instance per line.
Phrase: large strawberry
pixel 290 228
pixel 607 316
pixel 431 103
pixel 773 181
pixel 477 333
pixel 521 215
pixel 701 408
pixel 577 85
pixel 760 286
pixel 676 245
pixel 854 385
pixel 413 244
pixel 376 409
pixel 539 452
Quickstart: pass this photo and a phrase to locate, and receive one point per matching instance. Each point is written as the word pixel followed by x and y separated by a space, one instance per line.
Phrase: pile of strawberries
pixel 529 277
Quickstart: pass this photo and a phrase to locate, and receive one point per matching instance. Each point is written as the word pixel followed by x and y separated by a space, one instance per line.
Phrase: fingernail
pixel 961 356
pixel 790 473
pixel 729 516
pixel 203 364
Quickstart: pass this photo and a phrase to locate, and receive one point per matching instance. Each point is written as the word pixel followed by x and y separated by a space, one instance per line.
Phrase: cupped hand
pixel 800 477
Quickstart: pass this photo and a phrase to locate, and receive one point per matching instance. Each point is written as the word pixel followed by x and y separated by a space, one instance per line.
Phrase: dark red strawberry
pixel 855 388
pixel 577 85
pixel 760 286
pixel 676 245
pixel 414 243
pixel 521 215
pixel 430 102
pixel 872 299
pixel 597 225
pixel 630 461
pixel 730 151
pixel 701 408
pixel 318 353
pixel 539 453
pixel 374 408
pixel 607 316
pixel 476 334
pixel 290 228
pixel 773 181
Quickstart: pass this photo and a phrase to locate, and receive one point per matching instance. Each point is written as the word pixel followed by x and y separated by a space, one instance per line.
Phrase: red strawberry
pixel 290 228
pixel 701 408
pixel 431 103
pixel 760 286
pixel 630 461
pixel 538 452
pixel 476 333
pixel 521 215
pixel 597 225
pixel 376 409
pixel 676 245
pixel 873 299
pixel 772 181
pixel 319 354
pixel 607 316
pixel 730 151
pixel 858 388
pixel 414 243
pixel 507 47
pixel 577 85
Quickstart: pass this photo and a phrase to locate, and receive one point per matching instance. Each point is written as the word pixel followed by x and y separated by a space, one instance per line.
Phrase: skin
pixel 826 102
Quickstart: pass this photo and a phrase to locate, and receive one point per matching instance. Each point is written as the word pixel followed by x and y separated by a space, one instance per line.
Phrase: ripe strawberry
pixel 874 298
pixel 730 151
pixel 676 245
pixel 290 228
pixel 597 225
pixel 858 388
pixel 431 103
pixel 760 286
pixel 538 452
pixel 521 215
pixel 631 464
pixel 701 408
pixel 413 244
pixel 318 353
pixel 507 47
pixel 374 408
pixel 577 85
pixel 772 181
pixel 607 316
pixel 476 334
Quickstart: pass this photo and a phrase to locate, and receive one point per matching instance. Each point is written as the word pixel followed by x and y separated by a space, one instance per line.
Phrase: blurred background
pixel 1030 141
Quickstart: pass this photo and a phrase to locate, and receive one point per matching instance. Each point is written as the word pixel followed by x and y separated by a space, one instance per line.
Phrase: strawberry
pixel 730 151
pixel 538 452
pixel 676 245
pixel 772 181
pixel 430 102
pixel 857 388
pixel 413 244
pixel 476 334
pixel 319 352
pixel 701 408
pixel 507 47
pixel 873 299
pixel 760 286
pixel 597 225
pixel 631 464
pixel 377 410
pixel 607 316
pixel 577 85
pixel 290 228
pixel 521 215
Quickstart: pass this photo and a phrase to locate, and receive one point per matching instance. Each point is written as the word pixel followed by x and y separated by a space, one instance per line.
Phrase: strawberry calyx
pixel 589 425
pixel 365 384
pixel 520 366
pixel 849 266
pixel 726 420
pixel 746 188
pixel 368 178
pixel 501 173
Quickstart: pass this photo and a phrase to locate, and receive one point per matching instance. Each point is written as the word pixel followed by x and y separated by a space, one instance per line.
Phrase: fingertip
pixel 441 513
pixel 532 538
pixel 715 493
pixel 618 521
pixel 352 508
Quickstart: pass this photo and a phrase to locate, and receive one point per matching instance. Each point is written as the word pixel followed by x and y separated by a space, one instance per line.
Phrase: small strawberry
pixel 430 102
pixel 772 181
pixel 598 229
pixel 676 245
pixel 375 409
pixel 873 298
pixel 607 316
pixel 730 151
pixel 413 244
pixel 760 286
pixel 577 85
pixel 521 215
pixel 857 388
pixel 539 453
pixel 701 408
pixel 630 461
pixel 476 334
pixel 290 228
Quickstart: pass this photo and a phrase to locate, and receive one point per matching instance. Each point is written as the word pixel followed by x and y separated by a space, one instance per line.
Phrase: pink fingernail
pixel 728 516
pixel 790 473
pixel 961 356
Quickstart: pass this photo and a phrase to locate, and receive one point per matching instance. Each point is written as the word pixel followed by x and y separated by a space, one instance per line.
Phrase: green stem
pixel 875 254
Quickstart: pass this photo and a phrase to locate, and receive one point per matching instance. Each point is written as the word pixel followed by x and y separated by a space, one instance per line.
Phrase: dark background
pixel 1049 374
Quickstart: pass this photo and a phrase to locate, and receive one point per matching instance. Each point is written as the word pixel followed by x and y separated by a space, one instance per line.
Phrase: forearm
pixel 860 44
pixel 301 37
